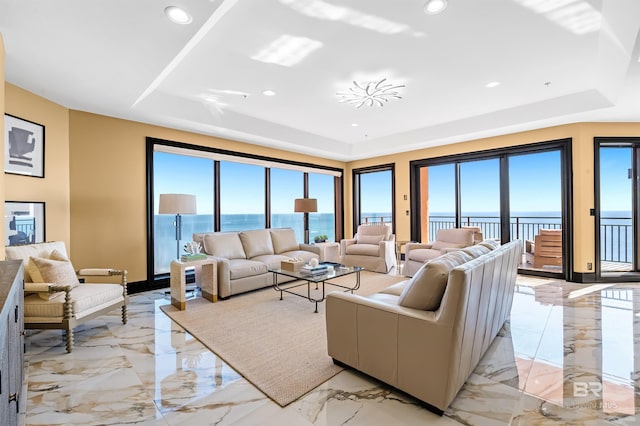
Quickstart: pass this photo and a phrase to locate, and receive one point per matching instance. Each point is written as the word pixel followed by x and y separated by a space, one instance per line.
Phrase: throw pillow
pixel 491 244
pixel 36 276
pixel 55 271
pixel 476 250
pixel 284 240
pixel 426 288
pixel 369 239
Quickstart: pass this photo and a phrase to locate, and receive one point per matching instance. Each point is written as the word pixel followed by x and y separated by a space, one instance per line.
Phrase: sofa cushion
pixel 426 288
pixel 422 255
pixel 396 289
pixel 476 250
pixel 363 249
pixel 369 239
pixel 301 254
pixel 490 244
pixel 256 242
pixel 224 244
pixel 284 239
pixel 242 268
pixel 86 299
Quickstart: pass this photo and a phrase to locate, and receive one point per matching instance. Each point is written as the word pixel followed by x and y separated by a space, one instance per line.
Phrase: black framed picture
pixel 23 147
pixel 24 222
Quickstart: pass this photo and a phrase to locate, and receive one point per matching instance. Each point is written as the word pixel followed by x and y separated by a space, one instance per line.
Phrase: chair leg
pixel 69 340
pixel 124 314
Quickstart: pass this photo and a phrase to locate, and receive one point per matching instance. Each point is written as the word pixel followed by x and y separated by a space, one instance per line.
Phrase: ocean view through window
pixel 248 188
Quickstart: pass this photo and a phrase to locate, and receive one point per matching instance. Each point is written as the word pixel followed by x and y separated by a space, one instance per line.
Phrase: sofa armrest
pixel 344 243
pixel 403 347
pixel 416 246
pixel 310 248
pixel 224 276
pixel 106 272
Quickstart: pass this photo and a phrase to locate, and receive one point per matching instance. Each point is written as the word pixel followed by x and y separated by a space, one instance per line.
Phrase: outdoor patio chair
pixel 545 249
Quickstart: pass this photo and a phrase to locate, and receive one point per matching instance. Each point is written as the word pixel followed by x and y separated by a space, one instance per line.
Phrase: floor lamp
pixel 177 204
pixel 306 206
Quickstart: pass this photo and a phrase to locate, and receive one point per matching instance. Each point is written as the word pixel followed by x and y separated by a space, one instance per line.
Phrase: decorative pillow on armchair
pixel 55 271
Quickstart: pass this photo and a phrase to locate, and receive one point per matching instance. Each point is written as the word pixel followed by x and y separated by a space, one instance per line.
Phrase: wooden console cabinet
pixel 11 340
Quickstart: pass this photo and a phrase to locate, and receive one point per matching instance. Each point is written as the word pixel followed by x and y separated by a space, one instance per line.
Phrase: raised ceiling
pixel 557 62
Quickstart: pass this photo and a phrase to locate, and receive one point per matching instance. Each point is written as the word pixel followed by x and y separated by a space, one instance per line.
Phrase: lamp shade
pixel 305 205
pixel 177 204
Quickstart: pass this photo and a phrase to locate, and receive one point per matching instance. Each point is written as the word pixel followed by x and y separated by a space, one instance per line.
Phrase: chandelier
pixel 370 93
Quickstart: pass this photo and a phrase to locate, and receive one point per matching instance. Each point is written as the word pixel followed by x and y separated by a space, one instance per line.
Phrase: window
pixel 242 197
pixel 286 186
pixel 373 197
pixel 323 222
pixel 233 192
pixel 170 171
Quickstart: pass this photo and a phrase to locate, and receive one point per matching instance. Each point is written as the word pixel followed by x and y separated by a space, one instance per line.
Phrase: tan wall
pixel 108 186
pixel 53 189
pixel 583 177
pixel 2 183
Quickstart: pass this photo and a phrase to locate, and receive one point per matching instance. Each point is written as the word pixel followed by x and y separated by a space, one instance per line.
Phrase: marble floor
pixel 567 356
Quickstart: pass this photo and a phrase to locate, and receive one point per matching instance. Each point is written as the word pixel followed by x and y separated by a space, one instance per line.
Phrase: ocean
pixel 616 229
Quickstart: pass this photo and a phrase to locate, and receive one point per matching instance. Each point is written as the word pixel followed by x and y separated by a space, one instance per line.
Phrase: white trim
pixel 244 160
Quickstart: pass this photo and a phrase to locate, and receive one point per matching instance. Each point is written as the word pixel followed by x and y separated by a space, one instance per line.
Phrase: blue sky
pixel 534 183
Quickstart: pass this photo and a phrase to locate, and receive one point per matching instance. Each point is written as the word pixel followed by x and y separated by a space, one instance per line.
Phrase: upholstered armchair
pixel 54 297
pixel 417 254
pixel 373 247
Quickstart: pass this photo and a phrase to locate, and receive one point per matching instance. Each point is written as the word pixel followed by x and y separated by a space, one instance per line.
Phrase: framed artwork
pixel 23 147
pixel 24 222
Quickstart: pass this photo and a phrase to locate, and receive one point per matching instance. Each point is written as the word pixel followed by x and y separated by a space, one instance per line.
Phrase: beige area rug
pixel 278 345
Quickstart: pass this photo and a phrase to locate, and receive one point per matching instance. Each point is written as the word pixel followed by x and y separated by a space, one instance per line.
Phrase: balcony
pixel 616 235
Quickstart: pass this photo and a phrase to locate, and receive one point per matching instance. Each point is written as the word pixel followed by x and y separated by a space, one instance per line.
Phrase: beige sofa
pixel 245 257
pixel 425 336
pixel 416 254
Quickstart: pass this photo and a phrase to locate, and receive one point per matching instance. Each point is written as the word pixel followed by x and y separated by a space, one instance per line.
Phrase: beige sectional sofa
pixel 426 335
pixel 244 257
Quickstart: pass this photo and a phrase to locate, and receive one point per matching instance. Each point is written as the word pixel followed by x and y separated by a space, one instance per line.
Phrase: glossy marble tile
pixel 570 354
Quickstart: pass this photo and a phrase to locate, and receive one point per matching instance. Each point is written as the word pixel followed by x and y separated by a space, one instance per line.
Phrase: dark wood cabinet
pixel 11 340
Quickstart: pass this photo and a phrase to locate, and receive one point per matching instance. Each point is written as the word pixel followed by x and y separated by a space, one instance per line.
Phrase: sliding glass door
pixel 617 207
pixel 513 193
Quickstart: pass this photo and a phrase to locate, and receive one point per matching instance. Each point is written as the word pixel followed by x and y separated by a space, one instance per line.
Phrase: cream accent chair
pixel 67 302
pixel 417 254
pixel 373 247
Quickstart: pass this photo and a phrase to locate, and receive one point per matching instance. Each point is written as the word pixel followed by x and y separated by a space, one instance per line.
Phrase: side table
pixel 399 245
pixel 208 278
pixel 329 252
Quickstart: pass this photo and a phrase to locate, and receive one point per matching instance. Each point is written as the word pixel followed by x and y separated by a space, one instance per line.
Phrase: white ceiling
pixel 557 61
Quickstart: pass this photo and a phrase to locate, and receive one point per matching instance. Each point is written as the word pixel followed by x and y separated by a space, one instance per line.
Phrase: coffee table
pixel 323 279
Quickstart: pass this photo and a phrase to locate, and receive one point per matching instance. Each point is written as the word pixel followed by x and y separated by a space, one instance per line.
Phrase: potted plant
pixel 320 238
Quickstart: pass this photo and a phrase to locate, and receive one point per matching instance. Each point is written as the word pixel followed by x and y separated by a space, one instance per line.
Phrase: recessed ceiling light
pixel 268 93
pixel 177 15
pixel 492 84
pixel 434 6
pixel 354 124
